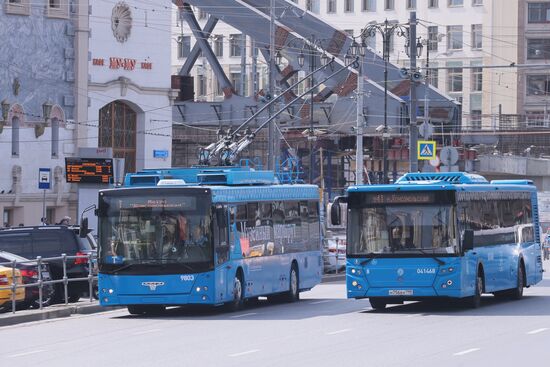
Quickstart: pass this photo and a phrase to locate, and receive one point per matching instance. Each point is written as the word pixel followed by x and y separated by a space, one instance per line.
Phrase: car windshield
pixel 402 229
pixel 167 230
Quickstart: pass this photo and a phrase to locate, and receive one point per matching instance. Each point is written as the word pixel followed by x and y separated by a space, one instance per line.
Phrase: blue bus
pixel 206 236
pixel 448 235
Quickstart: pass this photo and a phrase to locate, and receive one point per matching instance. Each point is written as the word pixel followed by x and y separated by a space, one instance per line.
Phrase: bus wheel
pixel 293 294
pixel 237 302
pixel 377 303
pixel 517 292
pixel 475 300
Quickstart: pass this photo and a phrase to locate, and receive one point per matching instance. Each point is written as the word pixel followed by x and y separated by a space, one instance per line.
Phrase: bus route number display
pixel 89 170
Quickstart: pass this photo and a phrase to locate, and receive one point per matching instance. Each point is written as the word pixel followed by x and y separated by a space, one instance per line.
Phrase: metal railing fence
pixel 40 283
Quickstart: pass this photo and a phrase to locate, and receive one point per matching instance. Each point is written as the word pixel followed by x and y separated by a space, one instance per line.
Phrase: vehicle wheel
pixel 74 297
pixel 377 303
pixel 293 294
pixel 475 300
pixel 517 293
pixel 237 302
pixel 46 301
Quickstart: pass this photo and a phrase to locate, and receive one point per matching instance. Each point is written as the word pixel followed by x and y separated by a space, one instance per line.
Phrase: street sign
pixel 44 178
pixel 160 153
pixel 449 156
pixel 426 149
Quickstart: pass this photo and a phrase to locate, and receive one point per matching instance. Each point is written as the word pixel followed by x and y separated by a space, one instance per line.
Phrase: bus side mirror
pixel 221 217
pixel 336 212
pixel 83 232
pixel 468 240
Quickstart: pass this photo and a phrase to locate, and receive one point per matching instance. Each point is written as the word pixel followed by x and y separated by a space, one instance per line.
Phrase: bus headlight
pixel 111 291
pixel 198 289
pixel 449 282
pixel 354 283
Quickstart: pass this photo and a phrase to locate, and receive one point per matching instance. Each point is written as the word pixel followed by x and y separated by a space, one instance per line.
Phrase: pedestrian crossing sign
pixel 426 149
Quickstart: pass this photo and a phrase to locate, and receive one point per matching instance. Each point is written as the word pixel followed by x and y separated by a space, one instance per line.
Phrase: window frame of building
pixel 184 47
pixel 331 6
pixel 476 77
pixel 452 37
pixel 475 119
pixel 7 217
pixel 433 75
pixel 313 6
pixel 477 2
pixel 235 41
pixel 535 119
pixel 57 9
pixel 433 38
pixel 368 5
pixel 537 85
pixel 348 6
pixel 55 137
pixel 455 80
pixel 411 4
pixel 202 89
pixel 389 5
pixel 17 7
pixel 433 4
pixel 217 45
pixel 15 130
pixel 542 12
pixel 545 49
pixel 477 36
pixel 455 3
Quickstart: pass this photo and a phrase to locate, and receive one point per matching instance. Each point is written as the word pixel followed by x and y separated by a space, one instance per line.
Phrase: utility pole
pixel 413 129
pixel 271 130
pixel 359 143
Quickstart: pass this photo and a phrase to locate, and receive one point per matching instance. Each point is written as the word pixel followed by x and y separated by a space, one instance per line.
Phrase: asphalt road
pixel 323 329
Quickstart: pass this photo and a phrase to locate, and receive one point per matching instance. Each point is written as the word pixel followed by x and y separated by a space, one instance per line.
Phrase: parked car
pixel 334 253
pixel 29 273
pixel 52 241
pixel 6 279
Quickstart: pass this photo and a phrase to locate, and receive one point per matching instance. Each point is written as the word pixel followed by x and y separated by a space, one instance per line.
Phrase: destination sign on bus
pixel 399 198
pixel 89 170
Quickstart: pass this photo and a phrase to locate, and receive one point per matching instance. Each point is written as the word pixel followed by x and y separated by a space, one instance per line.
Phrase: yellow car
pixel 6 276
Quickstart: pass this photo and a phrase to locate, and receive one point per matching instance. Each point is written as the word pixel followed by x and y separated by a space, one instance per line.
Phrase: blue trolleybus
pixel 452 235
pixel 206 236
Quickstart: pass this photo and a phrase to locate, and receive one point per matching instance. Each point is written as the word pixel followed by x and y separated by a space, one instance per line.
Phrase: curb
pixel 52 312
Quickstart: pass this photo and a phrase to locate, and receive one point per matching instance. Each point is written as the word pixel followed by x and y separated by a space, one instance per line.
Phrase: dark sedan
pixel 29 273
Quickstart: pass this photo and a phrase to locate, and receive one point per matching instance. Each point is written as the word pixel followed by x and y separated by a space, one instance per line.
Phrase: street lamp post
pixel 386 29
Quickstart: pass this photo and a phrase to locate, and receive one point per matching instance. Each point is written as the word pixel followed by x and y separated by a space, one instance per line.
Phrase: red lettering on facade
pixel 98 62
pixel 147 65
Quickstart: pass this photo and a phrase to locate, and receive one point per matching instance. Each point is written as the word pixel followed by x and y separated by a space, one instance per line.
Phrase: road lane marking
pixel 466 351
pixel 244 315
pixel 537 331
pixel 27 353
pixel 319 302
pixel 145 332
pixel 338 332
pixel 244 353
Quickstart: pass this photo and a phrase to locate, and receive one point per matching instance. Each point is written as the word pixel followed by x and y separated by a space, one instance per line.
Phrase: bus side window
pixel 221 240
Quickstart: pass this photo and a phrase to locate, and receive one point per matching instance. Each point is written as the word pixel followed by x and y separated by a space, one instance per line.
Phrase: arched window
pixel 117 130
pixel 55 137
pixel 15 137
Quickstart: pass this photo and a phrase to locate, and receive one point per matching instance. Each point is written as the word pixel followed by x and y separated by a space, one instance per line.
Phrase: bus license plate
pixel 400 292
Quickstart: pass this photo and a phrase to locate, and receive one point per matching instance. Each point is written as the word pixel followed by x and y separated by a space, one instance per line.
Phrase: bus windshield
pixel 140 232
pixel 402 229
